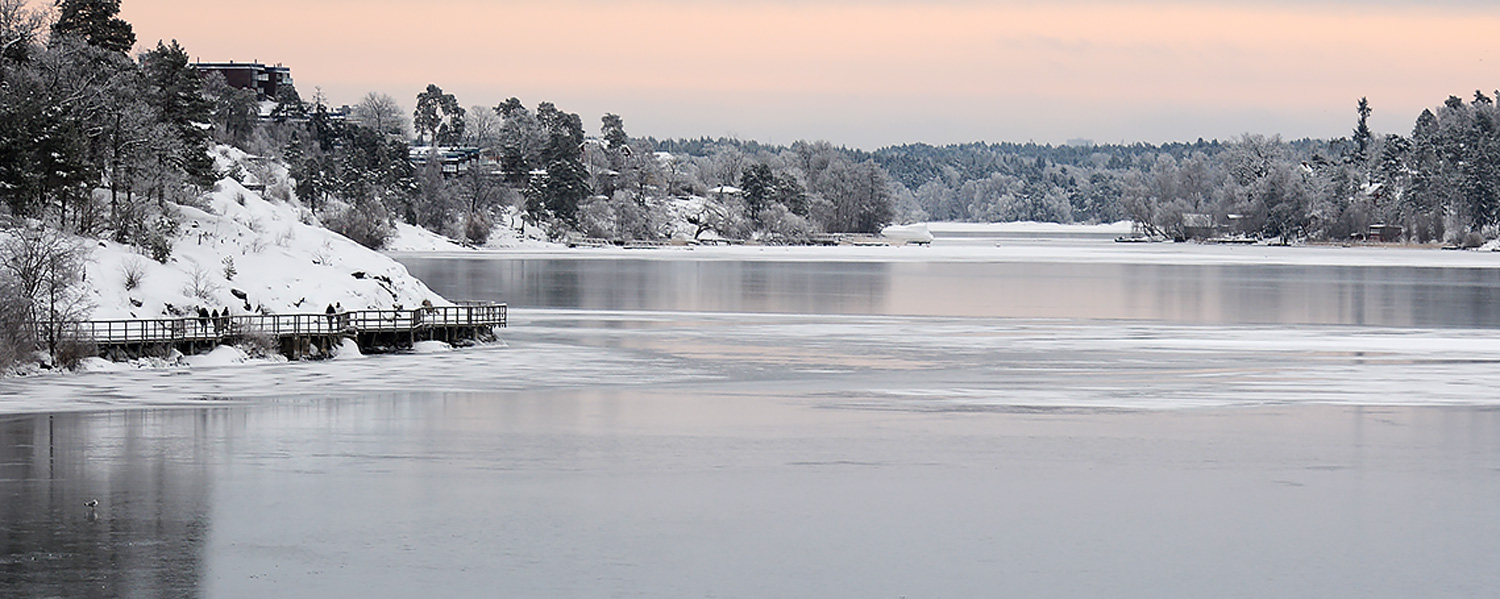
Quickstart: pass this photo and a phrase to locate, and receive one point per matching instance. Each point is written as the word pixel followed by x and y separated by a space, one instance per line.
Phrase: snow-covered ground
pixel 988 242
pixel 242 244
pixel 1002 250
pixel 411 238
pixel 938 228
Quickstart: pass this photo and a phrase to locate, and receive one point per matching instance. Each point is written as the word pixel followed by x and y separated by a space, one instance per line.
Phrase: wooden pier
pixel 293 335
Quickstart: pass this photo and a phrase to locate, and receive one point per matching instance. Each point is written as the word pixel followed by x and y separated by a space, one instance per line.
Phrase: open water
pixel 660 427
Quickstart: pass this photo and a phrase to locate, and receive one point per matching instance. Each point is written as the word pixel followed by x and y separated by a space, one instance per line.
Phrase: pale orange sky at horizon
pixel 876 73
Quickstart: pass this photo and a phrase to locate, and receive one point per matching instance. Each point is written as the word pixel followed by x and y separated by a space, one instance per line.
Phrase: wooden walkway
pixel 295 333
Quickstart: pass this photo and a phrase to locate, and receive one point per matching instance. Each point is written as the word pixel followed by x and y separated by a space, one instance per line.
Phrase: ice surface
pixel 855 362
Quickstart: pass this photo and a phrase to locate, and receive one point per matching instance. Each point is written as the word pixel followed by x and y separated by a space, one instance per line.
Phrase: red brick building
pixel 265 80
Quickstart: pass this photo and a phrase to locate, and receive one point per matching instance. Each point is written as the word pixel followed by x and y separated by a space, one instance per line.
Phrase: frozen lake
pixel 1113 421
pixel 1014 276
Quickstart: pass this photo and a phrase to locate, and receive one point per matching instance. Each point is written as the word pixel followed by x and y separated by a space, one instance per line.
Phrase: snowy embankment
pixel 249 255
pixel 1023 242
pixel 1106 229
pixel 239 252
pixel 411 238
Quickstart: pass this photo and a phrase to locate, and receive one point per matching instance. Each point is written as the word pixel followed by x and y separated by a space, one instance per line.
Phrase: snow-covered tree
pixel 438 118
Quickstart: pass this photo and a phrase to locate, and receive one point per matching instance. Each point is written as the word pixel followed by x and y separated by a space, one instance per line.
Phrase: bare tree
pixel 19 28
pixel 42 270
pixel 381 113
pixel 482 128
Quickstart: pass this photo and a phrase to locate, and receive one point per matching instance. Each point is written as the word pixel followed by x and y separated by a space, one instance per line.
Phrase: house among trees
pixel 1384 233
pixel 264 80
pixel 1198 226
pixel 456 161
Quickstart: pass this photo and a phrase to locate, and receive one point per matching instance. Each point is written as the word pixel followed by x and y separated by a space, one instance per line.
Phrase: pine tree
pixel 1362 132
pixel 97 22
pixel 520 142
pixel 438 117
pixel 174 89
pixel 758 184
pixel 566 185
pixel 614 132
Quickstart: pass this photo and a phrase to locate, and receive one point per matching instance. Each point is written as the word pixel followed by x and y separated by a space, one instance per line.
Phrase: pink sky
pixel 874 73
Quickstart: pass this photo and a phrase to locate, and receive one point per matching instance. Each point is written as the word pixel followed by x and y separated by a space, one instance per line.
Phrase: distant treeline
pixel 1441 183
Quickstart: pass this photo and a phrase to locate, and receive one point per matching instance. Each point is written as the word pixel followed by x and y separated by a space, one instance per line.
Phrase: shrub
pixel 366 222
pixel 201 284
pixel 477 228
pixel 69 351
pixel 17 339
pixel 133 270
pixel 256 344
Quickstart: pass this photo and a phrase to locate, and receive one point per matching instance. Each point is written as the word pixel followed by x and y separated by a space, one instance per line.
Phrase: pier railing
pixel 193 329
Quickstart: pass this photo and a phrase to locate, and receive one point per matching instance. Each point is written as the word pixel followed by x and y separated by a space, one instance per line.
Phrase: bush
pixel 201 284
pixel 17 339
pixel 783 227
pixel 279 191
pixel 69 351
pixel 366 222
pixel 40 272
pixel 133 270
pixel 477 228
pixel 256 344
pixel 1471 240
pixel 596 218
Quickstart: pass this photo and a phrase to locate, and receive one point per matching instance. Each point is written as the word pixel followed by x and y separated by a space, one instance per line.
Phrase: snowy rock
pixel 223 355
pixel 347 349
pixel 917 233
pixel 430 347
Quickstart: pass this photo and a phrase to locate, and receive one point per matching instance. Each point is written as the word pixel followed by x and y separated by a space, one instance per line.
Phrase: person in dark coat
pixel 203 317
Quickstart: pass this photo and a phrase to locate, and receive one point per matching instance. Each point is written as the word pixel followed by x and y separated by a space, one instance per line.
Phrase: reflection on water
pixel 148 471
pixel 796 287
pixel 741 491
pixel 684 455
pixel 1201 294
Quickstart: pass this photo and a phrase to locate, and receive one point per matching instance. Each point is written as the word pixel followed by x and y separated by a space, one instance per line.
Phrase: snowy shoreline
pixel 1018 250
pixel 1009 242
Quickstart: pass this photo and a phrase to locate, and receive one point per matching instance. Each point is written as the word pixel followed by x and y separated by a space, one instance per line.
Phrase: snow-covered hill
pixel 248 254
